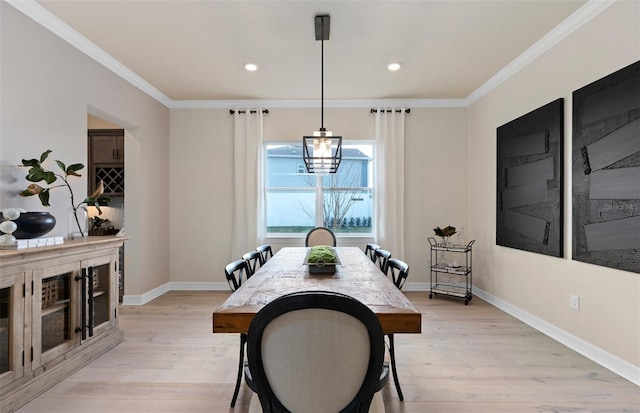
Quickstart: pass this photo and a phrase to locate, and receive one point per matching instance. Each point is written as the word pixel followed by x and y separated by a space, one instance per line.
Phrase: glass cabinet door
pixel 11 331
pixel 54 312
pixel 100 293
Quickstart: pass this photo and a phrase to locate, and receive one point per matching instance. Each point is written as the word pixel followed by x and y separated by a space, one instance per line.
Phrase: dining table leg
pixel 392 354
pixel 243 341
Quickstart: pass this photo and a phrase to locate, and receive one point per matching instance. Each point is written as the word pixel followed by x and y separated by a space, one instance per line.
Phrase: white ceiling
pixel 195 50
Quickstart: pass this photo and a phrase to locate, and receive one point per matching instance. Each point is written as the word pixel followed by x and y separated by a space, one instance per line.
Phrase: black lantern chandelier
pixel 322 152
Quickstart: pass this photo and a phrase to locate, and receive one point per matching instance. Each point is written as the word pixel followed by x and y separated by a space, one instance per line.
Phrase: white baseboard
pixel 417 286
pixel 146 297
pixel 199 286
pixel 605 359
pixel 173 286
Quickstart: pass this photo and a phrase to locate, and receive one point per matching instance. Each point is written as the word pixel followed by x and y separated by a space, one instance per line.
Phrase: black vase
pixel 33 224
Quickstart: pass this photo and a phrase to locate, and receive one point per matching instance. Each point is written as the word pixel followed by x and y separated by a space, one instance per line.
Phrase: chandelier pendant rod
pixel 322 152
pixel 322 129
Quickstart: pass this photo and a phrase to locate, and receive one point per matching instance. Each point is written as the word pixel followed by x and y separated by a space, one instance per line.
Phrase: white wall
pixel 201 161
pixel 202 194
pixel 435 170
pixel 94 122
pixel 48 88
pixel 609 315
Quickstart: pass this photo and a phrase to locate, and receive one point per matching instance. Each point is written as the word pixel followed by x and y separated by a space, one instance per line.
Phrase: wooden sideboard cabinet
pixel 58 311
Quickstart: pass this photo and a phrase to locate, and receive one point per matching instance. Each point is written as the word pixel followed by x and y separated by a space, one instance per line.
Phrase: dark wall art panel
pixel 529 181
pixel 606 171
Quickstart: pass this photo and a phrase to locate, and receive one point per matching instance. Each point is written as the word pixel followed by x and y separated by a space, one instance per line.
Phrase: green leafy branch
pixel 38 173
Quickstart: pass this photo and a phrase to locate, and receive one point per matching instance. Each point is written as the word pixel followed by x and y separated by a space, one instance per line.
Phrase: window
pixel 297 201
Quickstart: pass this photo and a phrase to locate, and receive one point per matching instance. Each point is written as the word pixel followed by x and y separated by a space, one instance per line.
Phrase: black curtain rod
pixel 390 110
pixel 231 111
pixel 266 111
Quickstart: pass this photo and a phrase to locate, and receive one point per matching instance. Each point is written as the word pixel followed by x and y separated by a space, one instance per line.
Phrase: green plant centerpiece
pixel 38 173
pixel 322 259
pixel 322 254
pixel 445 233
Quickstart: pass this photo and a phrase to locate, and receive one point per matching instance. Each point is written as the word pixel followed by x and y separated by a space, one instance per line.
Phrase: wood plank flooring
pixel 471 358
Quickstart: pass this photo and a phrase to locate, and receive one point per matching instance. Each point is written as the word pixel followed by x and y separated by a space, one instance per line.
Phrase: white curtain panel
pixel 247 181
pixel 389 205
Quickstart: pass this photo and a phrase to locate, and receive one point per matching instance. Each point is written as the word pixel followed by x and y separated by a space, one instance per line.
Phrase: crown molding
pixel 46 19
pixel 565 28
pixel 313 103
pixel 61 29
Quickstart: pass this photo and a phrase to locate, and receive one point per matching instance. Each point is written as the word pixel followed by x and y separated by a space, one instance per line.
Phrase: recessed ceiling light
pixel 393 67
pixel 251 67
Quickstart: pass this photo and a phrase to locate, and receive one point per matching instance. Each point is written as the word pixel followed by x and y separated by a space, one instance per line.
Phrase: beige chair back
pixel 317 360
pixel 320 236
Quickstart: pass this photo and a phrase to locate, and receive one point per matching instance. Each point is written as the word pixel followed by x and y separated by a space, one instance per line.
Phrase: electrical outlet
pixel 574 302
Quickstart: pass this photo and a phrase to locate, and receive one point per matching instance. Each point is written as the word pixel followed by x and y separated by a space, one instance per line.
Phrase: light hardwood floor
pixel 471 358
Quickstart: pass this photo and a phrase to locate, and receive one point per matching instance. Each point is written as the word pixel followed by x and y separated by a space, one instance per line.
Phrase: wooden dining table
pixel 356 276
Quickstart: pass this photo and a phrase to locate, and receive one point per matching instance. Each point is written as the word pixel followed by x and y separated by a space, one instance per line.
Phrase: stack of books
pixel 38 242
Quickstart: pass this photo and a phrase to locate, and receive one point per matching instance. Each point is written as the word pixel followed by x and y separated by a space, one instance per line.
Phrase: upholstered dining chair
pixel 370 250
pixel 315 352
pixel 320 236
pixel 381 258
pixel 254 261
pixel 265 252
pixel 235 272
pixel 398 271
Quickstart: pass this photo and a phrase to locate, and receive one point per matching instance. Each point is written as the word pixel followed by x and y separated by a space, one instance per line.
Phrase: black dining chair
pixel 398 271
pixel 254 261
pixel 341 367
pixel 235 272
pixel 371 249
pixel 320 236
pixel 265 252
pixel 381 258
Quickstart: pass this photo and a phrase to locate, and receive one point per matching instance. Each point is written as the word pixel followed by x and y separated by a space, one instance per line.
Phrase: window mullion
pixel 319 202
